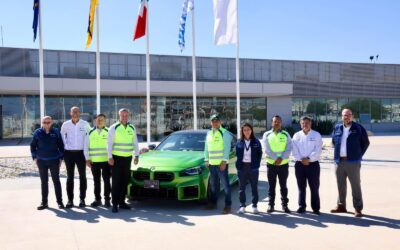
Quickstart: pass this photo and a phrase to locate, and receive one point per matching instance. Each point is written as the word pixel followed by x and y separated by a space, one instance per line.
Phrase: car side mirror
pixel 152 146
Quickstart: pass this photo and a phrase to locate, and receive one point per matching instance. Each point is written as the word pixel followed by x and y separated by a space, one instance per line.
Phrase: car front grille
pixel 164 176
pixel 141 175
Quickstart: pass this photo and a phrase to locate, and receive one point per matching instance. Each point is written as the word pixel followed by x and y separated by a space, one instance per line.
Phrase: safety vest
pixel 277 142
pixel 123 140
pixel 98 145
pixel 215 144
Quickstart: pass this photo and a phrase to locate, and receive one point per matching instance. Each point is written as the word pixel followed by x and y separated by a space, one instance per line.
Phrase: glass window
pixel 332 110
pixel 117 65
pixel 12 117
pixel 386 110
pixel 297 110
pixel 396 110
pixel 376 110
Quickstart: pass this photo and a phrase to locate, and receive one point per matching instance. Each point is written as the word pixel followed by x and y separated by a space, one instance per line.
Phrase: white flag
pixel 225 22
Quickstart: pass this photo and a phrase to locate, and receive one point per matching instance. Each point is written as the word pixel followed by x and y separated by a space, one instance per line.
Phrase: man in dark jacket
pixel 47 151
pixel 351 142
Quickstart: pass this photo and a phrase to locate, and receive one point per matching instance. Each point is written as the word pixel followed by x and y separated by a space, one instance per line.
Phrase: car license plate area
pixel 152 184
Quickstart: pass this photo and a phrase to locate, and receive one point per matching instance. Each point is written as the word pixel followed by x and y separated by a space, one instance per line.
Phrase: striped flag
pixel 93 6
pixel 188 5
pixel 140 29
pixel 35 18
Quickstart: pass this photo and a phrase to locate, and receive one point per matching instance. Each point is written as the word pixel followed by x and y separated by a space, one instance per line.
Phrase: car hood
pixel 170 160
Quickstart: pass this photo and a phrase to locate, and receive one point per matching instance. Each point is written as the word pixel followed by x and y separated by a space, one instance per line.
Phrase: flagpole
pixel 41 66
pixel 97 60
pixel 237 74
pixel 148 77
pixel 194 73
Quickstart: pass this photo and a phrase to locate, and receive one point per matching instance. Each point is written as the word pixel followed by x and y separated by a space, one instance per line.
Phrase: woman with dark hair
pixel 249 154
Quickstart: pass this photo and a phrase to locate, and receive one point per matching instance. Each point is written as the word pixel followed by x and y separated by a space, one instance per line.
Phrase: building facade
pixel 268 87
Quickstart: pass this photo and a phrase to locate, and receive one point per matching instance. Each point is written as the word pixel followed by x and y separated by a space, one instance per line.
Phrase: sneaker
pixel 286 209
pixel 82 203
pixel 107 203
pixel 115 209
pixel 70 204
pixel 270 209
pixel 241 210
pixel 255 210
pixel 226 210
pixel 339 209
pixel 358 213
pixel 60 205
pixel 125 206
pixel 96 203
pixel 301 210
pixel 42 206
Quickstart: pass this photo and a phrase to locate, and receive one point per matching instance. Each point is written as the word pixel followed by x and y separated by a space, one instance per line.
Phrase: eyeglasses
pixel 46 123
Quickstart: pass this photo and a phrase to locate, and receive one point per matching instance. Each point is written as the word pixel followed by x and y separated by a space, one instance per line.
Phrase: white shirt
pixel 247 153
pixel 73 135
pixel 307 145
pixel 343 144
pixel 110 141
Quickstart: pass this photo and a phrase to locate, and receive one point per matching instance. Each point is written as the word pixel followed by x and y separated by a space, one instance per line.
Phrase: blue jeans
pixel 217 176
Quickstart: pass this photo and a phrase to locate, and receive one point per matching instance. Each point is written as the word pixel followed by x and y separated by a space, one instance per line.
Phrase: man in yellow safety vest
pixel 278 146
pixel 122 143
pixel 95 151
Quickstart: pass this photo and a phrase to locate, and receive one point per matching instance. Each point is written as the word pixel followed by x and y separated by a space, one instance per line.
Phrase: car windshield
pixel 183 142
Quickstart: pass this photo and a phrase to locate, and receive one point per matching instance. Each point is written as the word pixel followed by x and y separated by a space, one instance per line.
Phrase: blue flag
pixel 35 18
pixel 188 5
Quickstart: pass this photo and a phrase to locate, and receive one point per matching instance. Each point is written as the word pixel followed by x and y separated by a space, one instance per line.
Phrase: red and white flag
pixel 141 22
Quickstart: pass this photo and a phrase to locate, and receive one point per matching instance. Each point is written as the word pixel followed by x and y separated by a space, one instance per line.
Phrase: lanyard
pixel 247 147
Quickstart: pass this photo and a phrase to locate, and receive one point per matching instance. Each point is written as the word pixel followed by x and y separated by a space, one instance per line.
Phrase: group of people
pixel 103 149
pixel 111 150
pixel 350 141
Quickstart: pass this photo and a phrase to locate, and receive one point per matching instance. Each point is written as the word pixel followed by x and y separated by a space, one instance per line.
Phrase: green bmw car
pixel 175 168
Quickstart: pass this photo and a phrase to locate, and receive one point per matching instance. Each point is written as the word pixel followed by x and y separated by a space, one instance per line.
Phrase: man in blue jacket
pixel 47 151
pixel 351 142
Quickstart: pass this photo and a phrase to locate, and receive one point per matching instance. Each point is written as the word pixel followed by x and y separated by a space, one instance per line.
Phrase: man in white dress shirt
pixel 73 134
pixel 307 148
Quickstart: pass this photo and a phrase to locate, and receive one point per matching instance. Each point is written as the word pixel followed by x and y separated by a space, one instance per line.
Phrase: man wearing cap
pixel 216 157
pixel 351 142
pixel 307 148
pixel 121 144
pixel 277 146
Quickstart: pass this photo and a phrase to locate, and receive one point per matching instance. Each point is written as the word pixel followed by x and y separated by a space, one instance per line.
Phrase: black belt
pixel 343 158
pixel 73 151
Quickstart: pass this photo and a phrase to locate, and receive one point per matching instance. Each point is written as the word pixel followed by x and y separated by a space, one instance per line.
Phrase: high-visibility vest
pixel 277 142
pixel 98 145
pixel 123 140
pixel 215 144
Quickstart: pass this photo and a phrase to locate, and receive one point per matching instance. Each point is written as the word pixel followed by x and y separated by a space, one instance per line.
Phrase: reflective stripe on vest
pixel 277 142
pixel 123 140
pixel 215 144
pixel 98 145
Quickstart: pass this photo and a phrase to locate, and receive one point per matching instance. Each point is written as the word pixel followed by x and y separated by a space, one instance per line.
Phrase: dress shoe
pixel 339 209
pixel 42 206
pixel 358 213
pixel 96 203
pixel 82 203
pixel 286 209
pixel 301 210
pixel 317 212
pixel 115 209
pixel 70 204
pixel 270 209
pixel 60 205
pixel 124 206
pixel 107 203
pixel 226 210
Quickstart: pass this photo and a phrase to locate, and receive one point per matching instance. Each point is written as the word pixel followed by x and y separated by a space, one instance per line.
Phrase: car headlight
pixel 198 170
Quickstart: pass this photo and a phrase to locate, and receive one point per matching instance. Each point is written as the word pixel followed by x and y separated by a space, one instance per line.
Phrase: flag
pixel 93 6
pixel 35 18
pixel 140 29
pixel 188 5
pixel 225 22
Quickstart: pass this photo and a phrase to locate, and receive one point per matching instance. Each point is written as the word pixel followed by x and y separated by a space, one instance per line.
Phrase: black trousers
pixel 248 175
pixel 101 169
pixel 311 174
pixel 71 159
pixel 54 167
pixel 120 179
pixel 282 172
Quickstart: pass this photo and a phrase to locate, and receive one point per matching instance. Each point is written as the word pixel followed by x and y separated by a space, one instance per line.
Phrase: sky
pixel 311 30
